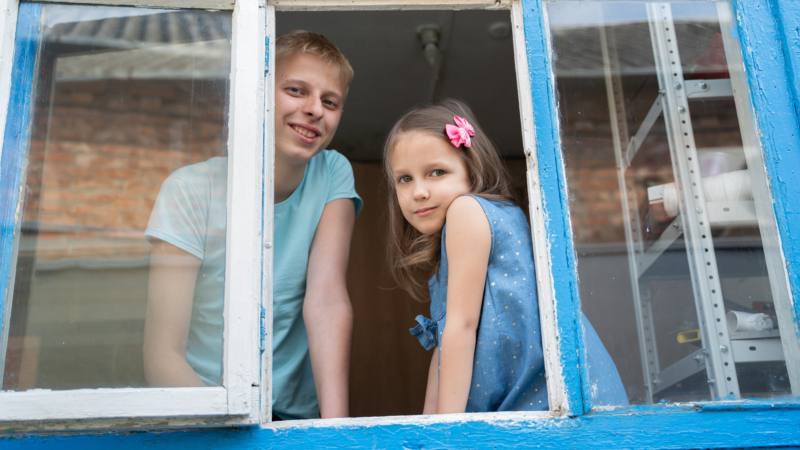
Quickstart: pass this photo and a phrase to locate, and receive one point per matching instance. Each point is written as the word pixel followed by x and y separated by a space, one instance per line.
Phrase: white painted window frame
pixel 544 275
pixel 237 401
pixel 252 22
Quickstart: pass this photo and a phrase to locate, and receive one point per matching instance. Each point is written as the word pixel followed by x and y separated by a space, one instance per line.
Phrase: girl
pixel 452 220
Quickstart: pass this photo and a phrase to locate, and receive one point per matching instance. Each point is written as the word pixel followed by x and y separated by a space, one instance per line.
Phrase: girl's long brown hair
pixel 413 256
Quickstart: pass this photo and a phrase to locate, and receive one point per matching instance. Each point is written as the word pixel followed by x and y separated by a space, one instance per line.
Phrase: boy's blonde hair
pixel 301 41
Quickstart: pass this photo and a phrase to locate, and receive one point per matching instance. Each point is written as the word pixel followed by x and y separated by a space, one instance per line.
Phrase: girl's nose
pixel 421 191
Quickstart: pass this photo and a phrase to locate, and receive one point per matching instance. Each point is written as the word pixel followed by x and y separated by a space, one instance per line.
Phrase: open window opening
pixel 679 262
pixel 402 59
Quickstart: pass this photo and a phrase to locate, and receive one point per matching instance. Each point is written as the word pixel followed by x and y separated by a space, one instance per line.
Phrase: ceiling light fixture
pixel 429 38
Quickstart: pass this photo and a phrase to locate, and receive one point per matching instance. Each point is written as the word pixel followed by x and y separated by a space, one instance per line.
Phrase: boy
pixel 315 209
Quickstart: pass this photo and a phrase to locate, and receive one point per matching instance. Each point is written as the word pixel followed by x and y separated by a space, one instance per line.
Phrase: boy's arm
pixel 432 392
pixel 173 273
pixel 469 243
pixel 327 311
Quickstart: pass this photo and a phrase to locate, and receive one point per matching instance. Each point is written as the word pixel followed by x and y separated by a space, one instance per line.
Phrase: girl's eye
pixel 437 173
pixel 404 179
pixel 293 90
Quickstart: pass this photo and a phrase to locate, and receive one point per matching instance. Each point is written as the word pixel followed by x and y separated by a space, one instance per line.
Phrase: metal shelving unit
pixel 721 350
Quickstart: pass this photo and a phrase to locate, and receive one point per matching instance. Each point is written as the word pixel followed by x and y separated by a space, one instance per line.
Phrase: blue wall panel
pixel 16 135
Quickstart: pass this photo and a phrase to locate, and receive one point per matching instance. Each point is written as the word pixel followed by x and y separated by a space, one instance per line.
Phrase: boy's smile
pixel 308 106
pixel 309 134
pixel 429 173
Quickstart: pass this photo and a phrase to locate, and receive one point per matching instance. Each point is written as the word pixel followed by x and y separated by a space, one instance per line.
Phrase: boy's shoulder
pixel 206 171
pixel 333 163
pixel 329 158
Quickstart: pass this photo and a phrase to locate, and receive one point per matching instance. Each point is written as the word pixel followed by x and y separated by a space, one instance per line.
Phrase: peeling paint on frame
pixel 770 36
pixel 553 185
pixel 684 427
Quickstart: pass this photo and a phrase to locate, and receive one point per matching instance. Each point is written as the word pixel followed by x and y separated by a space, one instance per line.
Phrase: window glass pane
pixel 124 199
pixel 679 265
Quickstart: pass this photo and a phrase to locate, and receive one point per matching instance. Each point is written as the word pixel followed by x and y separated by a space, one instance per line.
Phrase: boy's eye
pixel 404 179
pixel 437 173
pixel 330 103
pixel 293 90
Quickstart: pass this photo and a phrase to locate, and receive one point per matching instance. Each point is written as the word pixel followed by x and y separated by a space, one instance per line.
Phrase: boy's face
pixel 309 95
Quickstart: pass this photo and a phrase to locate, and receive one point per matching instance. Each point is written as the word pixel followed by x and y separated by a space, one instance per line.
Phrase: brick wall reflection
pixel 588 150
pixel 98 158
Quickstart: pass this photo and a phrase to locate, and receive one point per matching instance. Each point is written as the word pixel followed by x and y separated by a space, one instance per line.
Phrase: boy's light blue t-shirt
pixel 190 214
pixel 328 177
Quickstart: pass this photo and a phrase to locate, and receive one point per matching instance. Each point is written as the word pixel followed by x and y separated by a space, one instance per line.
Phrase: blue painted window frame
pixel 769 33
pixel 26 43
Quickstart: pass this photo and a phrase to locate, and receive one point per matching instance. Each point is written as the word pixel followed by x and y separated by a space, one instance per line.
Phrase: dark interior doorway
pixel 475 63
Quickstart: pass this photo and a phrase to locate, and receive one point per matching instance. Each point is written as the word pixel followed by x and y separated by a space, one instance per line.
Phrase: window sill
pixel 418 420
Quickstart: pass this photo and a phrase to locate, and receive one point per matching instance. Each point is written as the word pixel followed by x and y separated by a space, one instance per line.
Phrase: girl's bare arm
pixel 432 392
pixel 469 242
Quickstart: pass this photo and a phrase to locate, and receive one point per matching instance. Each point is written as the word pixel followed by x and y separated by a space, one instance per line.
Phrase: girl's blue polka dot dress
pixel 508 368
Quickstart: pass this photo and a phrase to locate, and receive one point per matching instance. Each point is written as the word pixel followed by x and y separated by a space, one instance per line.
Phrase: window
pixel 677 250
pixel 482 60
pixel 588 87
pixel 156 81
pixel 118 118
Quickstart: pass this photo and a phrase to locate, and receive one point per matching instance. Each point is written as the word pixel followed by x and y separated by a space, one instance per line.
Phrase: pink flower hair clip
pixel 460 132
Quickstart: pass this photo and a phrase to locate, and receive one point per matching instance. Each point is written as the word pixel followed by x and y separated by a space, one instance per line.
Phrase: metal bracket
pixel 709 89
pixel 684 368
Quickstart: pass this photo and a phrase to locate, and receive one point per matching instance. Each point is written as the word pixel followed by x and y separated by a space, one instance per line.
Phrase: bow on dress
pixel 425 332
pixel 460 132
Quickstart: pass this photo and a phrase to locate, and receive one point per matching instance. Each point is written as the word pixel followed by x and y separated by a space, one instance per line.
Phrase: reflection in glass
pixel 679 265
pixel 123 97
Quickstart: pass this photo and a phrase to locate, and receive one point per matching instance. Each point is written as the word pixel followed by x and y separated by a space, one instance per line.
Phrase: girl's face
pixel 429 173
